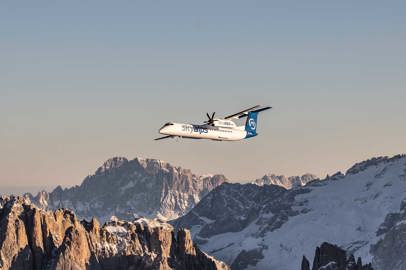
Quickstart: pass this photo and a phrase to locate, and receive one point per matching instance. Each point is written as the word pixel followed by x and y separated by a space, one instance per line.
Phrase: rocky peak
pixel 284 181
pixel 153 164
pixel 128 188
pixel 41 198
pixel 112 163
pixel 31 238
pixel 331 257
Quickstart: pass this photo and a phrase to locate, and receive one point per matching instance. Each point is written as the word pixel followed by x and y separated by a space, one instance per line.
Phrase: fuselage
pixel 210 132
pixel 217 129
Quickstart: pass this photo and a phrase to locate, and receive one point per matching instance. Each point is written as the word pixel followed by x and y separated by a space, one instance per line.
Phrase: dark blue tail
pixel 251 124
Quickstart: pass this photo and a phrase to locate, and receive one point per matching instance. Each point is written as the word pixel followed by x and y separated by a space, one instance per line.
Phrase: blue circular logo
pixel 252 124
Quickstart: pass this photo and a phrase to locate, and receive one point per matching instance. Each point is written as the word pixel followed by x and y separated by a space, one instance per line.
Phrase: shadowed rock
pixel 331 257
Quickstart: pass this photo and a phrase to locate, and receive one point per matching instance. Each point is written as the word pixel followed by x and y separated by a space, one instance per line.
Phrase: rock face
pixel 286 182
pixel 390 252
pixel 248 209
pixel 139 187
pixel 31 238
pixel 269 227
pixel 331 257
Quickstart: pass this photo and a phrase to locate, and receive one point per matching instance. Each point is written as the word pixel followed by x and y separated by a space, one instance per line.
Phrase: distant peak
pixel 112 163
pixel 144 162
pixel 306 175
pixel 285 181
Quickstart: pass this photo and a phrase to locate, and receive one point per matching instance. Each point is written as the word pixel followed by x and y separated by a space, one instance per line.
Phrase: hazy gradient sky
pixel 83 81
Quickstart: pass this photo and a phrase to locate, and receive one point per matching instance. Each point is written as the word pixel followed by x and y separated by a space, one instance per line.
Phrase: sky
pixel 84 81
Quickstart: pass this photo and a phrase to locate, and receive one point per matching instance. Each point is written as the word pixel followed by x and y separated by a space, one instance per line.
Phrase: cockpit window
pixel 168 124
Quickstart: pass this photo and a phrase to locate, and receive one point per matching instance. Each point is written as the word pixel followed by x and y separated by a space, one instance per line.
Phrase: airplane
pixel 215 128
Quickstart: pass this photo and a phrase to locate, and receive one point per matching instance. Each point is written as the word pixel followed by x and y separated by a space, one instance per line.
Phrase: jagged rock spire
pixel 331 257
pixel 34 239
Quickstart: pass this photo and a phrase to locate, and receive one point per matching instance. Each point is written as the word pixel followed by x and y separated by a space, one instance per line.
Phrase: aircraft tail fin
pixel 251 124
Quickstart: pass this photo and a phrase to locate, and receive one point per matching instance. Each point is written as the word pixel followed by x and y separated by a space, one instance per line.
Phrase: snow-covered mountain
pixel 269 227
pixel 128 188
pixel 286 182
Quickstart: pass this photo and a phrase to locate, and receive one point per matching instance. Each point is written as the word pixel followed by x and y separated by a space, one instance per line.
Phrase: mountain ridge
pixel 258 225
pixel 287 182
pixel 120 186
pixel 346 209
pixel 124 188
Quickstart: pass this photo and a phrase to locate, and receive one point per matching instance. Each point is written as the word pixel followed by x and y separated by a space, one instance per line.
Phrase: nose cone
pixel 162 130
pixel 166 129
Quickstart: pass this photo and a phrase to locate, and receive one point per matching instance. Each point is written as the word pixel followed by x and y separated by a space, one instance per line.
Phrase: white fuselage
pixel 210 132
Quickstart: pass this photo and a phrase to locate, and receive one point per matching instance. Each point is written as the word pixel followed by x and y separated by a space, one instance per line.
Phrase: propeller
pixel 211 118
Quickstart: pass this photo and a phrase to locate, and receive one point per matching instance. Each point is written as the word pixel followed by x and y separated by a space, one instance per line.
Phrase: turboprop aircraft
pixel 217 129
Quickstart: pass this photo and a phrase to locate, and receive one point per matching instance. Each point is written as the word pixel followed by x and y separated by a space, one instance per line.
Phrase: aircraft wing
pixel 241 114
pixel 164 137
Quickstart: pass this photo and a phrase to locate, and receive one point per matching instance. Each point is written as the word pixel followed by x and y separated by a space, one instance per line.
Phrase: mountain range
pixel 286 182
pixel 33 239
pixel 132 188
pixel 272 223
pixel 142 187
pixel 269 227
